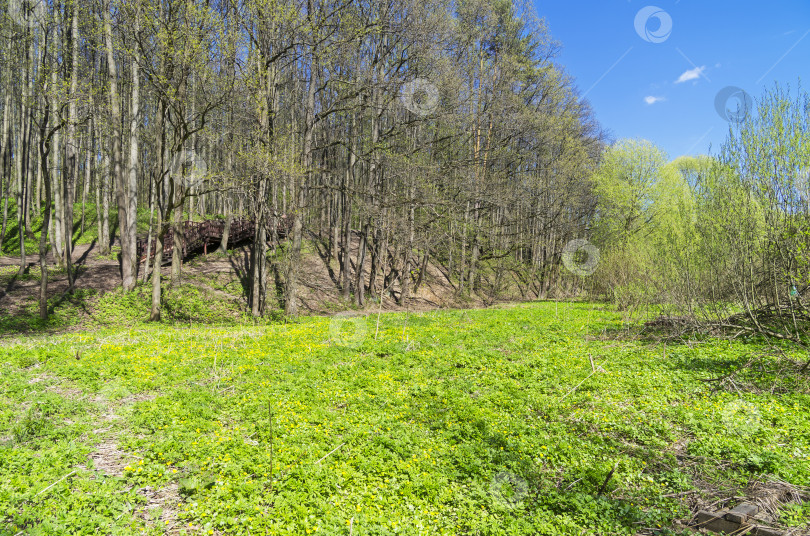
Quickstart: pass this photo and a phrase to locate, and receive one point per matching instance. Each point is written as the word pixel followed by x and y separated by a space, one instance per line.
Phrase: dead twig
pixel 330 452
pixel 607 479
pixel 55 483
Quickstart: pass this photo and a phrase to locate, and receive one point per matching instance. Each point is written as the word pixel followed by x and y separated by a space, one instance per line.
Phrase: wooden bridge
pixel 198 236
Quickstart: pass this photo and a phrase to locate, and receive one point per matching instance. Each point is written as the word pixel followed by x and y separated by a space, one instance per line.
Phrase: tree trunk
pixel 31 153
pixel 22 181
pixel 104 220
pixel 58 215
pixel 72 147
pixel 117 171
pixel 43 237
pixel 88 163
pixel 226 229
pixel 154 315
pixel 405 277
pixel 422 270
pixel 130 233
pixel 178 238
pixel 24 149
pixel 160 196
pixel 291 301
pixel 258 254
pixel 346 268
pixel 5 157
pixel 359 286
pixel 151 233
pixel 376 252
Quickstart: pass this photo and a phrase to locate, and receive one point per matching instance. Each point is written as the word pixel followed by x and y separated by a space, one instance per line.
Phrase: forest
pixel 386 135
pixel 422 132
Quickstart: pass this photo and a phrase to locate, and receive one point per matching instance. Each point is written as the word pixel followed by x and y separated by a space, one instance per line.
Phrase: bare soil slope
pixel 224 277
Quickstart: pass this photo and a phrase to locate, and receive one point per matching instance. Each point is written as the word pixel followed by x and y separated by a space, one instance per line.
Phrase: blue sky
pixel 663 86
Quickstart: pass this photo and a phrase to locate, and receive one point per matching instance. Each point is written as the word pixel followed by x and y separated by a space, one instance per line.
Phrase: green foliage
pixel 626 185
pixel 709 237
pixel 11 243
pixel 192 302
pixel 281 430
pixel 181 304
pixel 767 157
pixel 67 312
pixel 646 215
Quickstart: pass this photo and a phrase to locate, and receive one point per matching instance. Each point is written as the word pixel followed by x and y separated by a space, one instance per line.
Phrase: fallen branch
pixel 330 452
pixel 607 479
pixel 55 483
pixel 761 331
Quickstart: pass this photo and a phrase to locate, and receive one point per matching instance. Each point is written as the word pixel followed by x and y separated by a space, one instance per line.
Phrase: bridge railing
pixel 197 236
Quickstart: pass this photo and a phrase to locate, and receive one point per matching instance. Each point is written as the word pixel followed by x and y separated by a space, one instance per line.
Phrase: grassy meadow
pixel 541 418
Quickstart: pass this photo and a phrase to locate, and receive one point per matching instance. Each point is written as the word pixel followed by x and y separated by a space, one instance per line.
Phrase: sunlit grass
pixel 499 421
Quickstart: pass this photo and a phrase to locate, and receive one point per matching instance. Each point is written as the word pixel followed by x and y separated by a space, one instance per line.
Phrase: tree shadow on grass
pixel 241 268
pixel 324 255
pixel 516 486
pixel 26 320
pixel 756 364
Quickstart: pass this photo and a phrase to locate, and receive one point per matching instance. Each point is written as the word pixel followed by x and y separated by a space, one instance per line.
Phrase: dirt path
pixel 81 254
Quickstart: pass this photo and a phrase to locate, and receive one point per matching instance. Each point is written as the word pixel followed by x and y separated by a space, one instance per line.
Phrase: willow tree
pixel 766 156
pixel 628 210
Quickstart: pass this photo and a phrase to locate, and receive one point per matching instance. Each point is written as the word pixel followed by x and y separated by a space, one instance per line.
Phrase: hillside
pixel 210 279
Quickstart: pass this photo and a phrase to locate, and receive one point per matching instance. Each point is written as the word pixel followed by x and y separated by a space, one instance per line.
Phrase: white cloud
pixel 692 74
pixel 652 100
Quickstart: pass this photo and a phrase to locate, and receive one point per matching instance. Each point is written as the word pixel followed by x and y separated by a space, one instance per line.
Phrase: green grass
pixel 11 243
pixel 467 422
pixel 191 302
